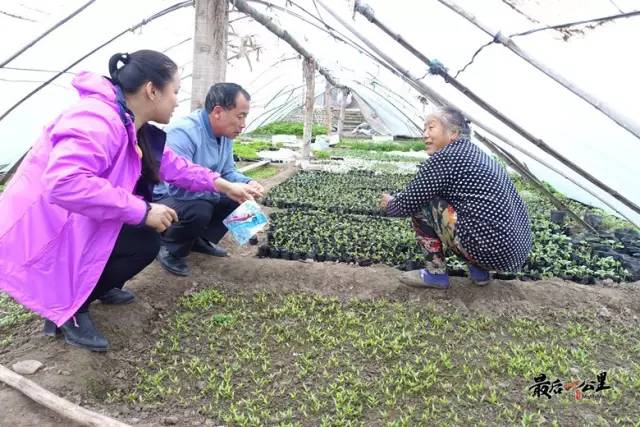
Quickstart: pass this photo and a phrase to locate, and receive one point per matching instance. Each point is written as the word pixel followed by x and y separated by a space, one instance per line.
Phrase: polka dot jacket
pixel 492 224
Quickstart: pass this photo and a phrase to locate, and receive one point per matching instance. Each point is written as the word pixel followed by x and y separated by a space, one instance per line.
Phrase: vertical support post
pixel 209 48
pixel 308 71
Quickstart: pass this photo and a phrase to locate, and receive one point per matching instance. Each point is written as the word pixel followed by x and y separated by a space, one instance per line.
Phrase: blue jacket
pixel 193 138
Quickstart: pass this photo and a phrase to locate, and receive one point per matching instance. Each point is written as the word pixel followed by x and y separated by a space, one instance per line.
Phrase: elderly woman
pixel 461 199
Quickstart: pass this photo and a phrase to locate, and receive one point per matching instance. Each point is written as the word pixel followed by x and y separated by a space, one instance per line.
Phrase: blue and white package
pixel 244 222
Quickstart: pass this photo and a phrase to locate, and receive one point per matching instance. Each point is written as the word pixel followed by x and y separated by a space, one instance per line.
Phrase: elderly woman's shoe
pixel 425 279
pixel 478 276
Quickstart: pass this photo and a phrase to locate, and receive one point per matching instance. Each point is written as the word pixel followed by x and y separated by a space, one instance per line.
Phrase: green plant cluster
pixel 288 128
pixel 354 192
pixel 266 171
pixel 369 145
pixel 249 150
pixel 12 315
pixel 321 155
pixel 381 156
pixel 555 252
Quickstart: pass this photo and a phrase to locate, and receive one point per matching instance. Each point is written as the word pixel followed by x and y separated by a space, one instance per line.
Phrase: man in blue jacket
pixel 204 137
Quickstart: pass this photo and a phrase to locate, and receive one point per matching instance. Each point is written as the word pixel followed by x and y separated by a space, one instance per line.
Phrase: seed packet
pixel 246 221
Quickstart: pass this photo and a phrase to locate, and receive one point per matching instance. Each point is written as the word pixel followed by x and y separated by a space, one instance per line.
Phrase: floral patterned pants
pixel 435 227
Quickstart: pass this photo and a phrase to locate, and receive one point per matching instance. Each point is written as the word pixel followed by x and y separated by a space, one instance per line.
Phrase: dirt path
pixel 83 377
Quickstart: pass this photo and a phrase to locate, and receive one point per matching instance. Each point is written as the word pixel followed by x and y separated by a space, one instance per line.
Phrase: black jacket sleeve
pixel 433 177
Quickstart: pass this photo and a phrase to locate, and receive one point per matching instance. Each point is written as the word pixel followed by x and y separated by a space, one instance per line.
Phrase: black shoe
pixel 206 247
pixel 117 296
pixel 79 331
pixel 171 263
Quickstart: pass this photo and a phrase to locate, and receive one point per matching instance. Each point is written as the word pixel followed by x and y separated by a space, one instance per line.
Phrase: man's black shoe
pixel 171 263
pixel 206 247
pixel 117 296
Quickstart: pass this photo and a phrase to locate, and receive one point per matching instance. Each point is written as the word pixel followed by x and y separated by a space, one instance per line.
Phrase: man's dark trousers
pixel 196 218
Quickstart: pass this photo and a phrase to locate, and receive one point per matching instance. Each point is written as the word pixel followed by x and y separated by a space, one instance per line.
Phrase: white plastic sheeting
pixel 602 60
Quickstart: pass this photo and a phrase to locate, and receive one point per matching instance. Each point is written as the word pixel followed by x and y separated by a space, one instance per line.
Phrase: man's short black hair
pixel 224 95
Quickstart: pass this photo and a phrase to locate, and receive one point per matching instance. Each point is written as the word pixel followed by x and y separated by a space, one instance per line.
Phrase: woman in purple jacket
pixel 76 220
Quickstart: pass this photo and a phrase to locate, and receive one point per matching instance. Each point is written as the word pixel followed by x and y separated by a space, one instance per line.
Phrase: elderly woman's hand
pixel 384 201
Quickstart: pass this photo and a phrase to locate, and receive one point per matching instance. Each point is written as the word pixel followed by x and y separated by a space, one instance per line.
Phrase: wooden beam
pixel 253 166
pixel 243 6
pixel 328 115
pixel 343 108
pixel 549 166
pixel 209 48
pixel 55 403
pixel 309 72
pixel 526 174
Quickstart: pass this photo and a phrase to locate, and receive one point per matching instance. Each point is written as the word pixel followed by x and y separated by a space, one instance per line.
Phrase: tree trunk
pixel 343 108
pixel 209 48
pixel 309 71
pixel 244 7
pixel 328 119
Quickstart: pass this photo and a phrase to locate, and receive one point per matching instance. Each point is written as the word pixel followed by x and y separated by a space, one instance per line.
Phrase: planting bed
pixel 369 146
pixel 376 155
pixel 350 164
pixel 326 236
pixel 288 128
pixel 354 192
pixel 305 360
pixel 334 217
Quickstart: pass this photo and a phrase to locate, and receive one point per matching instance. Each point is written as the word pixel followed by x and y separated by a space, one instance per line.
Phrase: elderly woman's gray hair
pixel 452 120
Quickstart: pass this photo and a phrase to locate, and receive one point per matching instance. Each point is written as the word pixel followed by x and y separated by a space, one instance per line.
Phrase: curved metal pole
pixel 431 93
pixel 623 121
pixel 43 35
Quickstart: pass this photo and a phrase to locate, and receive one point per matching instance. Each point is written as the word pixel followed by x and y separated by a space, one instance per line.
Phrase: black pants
pixel 135 248
pixel 197 218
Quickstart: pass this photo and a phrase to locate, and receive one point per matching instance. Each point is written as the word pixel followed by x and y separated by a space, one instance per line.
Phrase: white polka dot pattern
pixel 493 224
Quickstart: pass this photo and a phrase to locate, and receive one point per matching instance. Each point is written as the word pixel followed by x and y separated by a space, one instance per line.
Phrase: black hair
pixel 224 95
pixel 139 68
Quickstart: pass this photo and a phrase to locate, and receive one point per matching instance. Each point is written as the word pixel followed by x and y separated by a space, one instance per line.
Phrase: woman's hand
pixel 160 217
pixel 384 201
